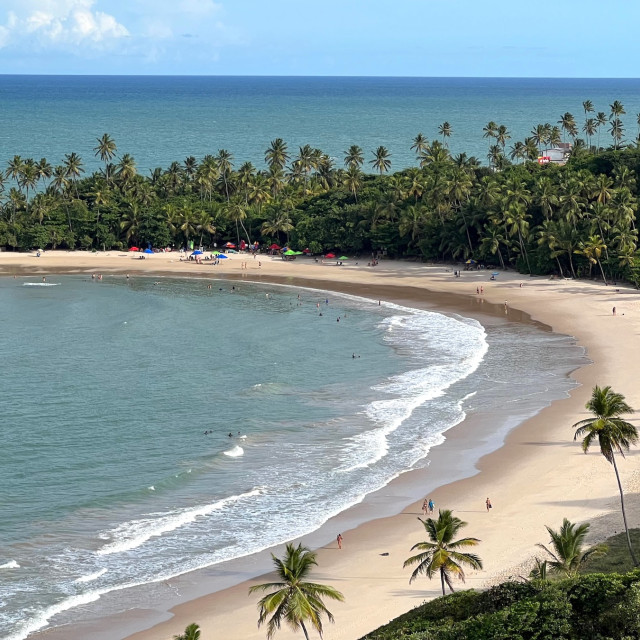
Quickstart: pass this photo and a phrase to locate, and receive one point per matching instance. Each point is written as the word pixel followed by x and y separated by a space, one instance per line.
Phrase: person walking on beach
pixel 489 505
pixel 425 507
pixel 339 540
pixel 614 311
pixel 431 505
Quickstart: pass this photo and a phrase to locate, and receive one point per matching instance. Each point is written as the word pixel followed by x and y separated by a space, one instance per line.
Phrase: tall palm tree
pixel 490 130
pixel 381 160
pixel 617 109
pixel 612 433
pixel 106 149
pixel 445 131
pixel 567 123
pixel 352 180
pixel 568 555
pixel 293 600
pixel 191 632
pixel 601 120
pixel 592 250
pixel 441 553
pixel 617 131
pixel 224 161
pixel 354 157
pixel 502 135
pixel 420 145
pixel 276 155
pixel 587 105
pixel 590 128
pixel 74 168
pixel 126 169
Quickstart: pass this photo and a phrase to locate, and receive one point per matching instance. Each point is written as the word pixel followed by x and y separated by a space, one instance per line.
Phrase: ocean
pixel 155 427
pixel 162 119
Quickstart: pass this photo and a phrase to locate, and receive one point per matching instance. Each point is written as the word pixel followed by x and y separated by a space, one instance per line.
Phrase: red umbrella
pixel 230 245
pixel 306 251
pixel 330 255
pixel 134 249
pixel 274 246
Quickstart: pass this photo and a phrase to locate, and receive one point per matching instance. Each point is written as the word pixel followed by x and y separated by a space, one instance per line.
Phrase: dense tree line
pixel 574 220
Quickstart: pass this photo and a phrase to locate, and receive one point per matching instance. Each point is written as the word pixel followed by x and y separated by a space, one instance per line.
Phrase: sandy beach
pixel 538 477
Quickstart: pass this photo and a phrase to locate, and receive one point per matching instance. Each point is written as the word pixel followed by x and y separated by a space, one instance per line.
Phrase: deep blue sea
pixel 162 119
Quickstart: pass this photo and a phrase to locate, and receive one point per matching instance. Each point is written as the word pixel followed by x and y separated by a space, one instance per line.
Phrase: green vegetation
pixel 595 606
pixel 441 554
pixel 568 557
pixel 514 212
pixel 293 600
pixel 616 560
pixel 612 434
pixel 192 632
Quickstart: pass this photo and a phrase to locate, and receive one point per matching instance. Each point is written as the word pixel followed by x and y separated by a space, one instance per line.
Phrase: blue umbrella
pixel 495 273
pixel 148 251
pixel 222 257
pixel 197 252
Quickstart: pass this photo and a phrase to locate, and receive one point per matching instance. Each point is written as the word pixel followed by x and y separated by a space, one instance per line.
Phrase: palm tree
pixel 126 169
pixel 568 556
pixel 445 131
pixel 601 120
pixel 73 168
pixel 276 155
pixel 191 632
pixel 617 109
pixel 592 249
pixel 567 123
pixel 353 181
pixel 590 128
pixel 381 160
pixel 420 144
pixel 490 130
pixel 617 131
pixel 354 157
pixel 502 135
pixel 612 433
pixel 293 600
pixel 224 161
pixel 587 105
pixel 106 149
pixel 440 554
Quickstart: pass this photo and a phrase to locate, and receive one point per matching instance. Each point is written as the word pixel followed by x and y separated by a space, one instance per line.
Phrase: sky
pixel 508 38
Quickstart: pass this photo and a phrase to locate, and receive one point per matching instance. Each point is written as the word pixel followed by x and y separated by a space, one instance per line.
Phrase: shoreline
pixel 519 459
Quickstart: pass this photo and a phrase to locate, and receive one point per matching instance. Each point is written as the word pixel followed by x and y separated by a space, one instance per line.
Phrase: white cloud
pixel 60 24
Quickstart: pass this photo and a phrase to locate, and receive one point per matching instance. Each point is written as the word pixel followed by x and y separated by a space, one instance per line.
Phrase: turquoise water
pixel 155 427
pixel 162 119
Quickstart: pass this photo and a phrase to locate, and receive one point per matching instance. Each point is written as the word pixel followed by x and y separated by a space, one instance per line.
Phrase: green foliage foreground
pixel 595 606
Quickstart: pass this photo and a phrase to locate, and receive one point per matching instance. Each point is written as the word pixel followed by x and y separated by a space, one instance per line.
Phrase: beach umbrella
pixel 274 246
pixel 330 255
pixel 230 245
pixel 134 249
pixel 495 273
pixel 197 252
pixel 222 257
pixel 470 262
pixel 343 258
pixel 306 251
pixel 148 251
pixel 297 253
pixel 290 252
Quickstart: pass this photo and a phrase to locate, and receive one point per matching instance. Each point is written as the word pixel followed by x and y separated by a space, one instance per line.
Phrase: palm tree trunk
pixel 602 272
pixel 306 634
pixel 442 581
pixel 559 267
pixel 624 515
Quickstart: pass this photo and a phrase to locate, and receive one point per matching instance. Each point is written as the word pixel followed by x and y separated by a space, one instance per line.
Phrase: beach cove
pixel 538 477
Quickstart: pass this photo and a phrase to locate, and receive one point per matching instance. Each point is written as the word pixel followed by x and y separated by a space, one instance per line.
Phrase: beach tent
pixel 148 251
pixel 470 262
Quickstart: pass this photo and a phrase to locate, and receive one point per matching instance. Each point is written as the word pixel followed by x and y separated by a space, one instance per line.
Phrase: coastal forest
pixel 576 219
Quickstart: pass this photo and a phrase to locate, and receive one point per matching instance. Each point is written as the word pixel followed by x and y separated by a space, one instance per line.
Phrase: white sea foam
pixel 12 564
pixel 40 284
pixel 42 618
pixel 91 576
pixel 133 534
pixel 234 452
pixel 463 342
